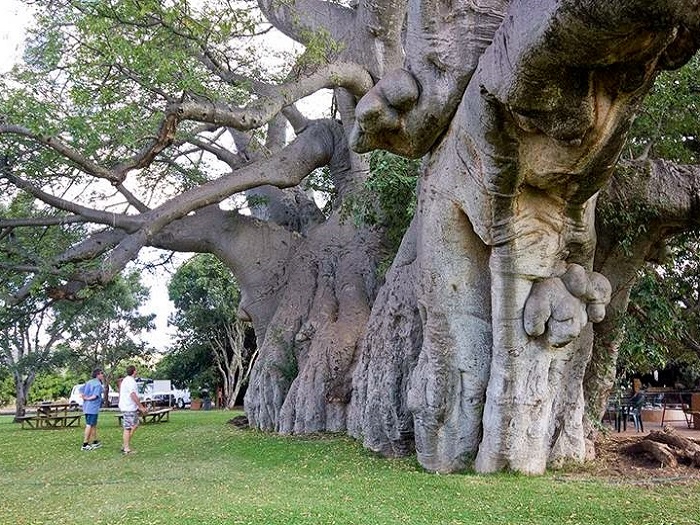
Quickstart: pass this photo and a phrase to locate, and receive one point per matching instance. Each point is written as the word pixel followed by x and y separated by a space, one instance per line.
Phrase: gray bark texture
pixel 503 277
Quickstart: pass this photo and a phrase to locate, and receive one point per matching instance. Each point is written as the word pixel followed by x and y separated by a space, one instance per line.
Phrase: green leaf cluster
pixel 662 324
pixel 32 248
pixel 388 198
pixel 206 298
pixel 667 125
pixel 99 75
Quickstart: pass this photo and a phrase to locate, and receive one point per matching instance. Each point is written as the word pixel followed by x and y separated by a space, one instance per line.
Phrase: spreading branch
pixel 301 19
pixel 116 175
pixel 314 148
pixel 350 76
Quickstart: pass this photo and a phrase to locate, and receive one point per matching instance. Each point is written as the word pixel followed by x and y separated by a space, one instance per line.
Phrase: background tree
pixel 108 328
pixel 188 366
pixel 477 343
pixel 660 325
pixel 206 298
pixel 32 329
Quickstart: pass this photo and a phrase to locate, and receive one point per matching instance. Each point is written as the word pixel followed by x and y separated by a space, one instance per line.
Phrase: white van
pixel 160 392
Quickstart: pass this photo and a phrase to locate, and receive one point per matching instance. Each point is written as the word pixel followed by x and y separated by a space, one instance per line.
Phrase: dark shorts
pixel 130 420
pixel 91 420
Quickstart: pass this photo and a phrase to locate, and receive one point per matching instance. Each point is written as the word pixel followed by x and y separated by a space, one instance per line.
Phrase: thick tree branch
pixel 41 221
pixel 117 174
pixel 352 77
pixel 313 148
pixel 409 108
pixel 65 150
pixel 296 119
pixel 233 160
pixel 92 247
pixel 669 193
pixel 301 19
pixel 384 19
pixel 128 222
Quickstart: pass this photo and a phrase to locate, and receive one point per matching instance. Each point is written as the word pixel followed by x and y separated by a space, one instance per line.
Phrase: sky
pixel 14 18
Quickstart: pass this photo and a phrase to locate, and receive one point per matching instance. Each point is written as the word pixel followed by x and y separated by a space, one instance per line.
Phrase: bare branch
pixel 350 76
pixel 116 175
pixel 41 221
pixel 65 150
pixel 124 221
pixel 316 147
pixel 92 247
pixel 385 20
pixel 233 160
pixel 131 198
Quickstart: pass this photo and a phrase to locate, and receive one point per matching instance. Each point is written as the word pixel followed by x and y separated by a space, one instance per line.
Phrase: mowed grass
pixel 197 469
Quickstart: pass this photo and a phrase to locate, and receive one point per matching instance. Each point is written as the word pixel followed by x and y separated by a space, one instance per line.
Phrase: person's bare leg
pixel 88 432
pixel 131 435
pixel 126 440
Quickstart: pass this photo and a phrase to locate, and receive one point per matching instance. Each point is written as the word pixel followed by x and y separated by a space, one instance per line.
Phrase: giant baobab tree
pixel 479 344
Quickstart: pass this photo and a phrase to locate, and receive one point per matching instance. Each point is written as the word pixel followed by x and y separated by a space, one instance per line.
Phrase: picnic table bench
pixel 51 416
pixel 152 416
pixel 692 418
pixel 692 411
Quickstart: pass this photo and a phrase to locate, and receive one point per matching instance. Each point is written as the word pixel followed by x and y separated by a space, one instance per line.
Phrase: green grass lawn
pixel 196 469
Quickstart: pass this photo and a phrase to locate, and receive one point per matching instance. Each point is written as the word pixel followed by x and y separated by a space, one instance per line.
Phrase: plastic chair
pixel 635 411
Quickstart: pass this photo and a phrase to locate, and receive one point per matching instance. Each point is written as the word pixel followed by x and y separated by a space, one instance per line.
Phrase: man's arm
pixel 87 394
pixel 136 399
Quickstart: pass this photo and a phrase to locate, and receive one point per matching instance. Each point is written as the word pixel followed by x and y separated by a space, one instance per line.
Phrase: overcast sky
pixel 13 20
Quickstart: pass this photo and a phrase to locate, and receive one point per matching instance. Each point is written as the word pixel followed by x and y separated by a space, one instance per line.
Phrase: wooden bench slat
pixel 48 422
pixel 152 416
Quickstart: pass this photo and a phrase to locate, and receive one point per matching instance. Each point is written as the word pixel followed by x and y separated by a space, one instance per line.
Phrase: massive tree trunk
pixel 479 341
pixel 503 273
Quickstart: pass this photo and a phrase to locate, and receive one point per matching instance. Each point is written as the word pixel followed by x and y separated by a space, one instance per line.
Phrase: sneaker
pixel 127 451
pixel 96 444
pixel 86 447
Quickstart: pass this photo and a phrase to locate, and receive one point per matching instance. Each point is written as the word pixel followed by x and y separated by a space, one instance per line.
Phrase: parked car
pixel 163 400
pixel 160 392
pixel 76 399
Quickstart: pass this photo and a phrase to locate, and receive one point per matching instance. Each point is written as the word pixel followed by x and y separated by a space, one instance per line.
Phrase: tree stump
pixel 668 447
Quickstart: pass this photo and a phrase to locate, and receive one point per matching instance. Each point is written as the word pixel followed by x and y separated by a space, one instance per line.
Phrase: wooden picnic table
pixel 692 411
pixel 152 416
pixel 51 416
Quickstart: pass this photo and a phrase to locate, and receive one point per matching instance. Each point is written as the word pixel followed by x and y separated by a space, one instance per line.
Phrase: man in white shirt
pixel 130 405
